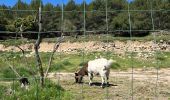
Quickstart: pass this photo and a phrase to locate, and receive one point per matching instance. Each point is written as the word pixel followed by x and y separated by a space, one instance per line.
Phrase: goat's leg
pixel 90 78
pixel 107 77
pixel 106 80
pixel 102 85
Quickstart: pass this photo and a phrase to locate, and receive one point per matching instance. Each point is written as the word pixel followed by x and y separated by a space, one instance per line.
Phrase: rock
pixel 168 42
pixel 161 41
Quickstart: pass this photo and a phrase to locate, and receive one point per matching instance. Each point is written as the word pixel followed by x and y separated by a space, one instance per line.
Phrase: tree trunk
pixel 36 47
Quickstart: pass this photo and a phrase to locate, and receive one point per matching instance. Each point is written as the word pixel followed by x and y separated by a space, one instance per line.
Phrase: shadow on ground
pixel 99 84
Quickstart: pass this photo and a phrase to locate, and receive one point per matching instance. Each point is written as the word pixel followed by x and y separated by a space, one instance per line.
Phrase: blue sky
pixel 54 2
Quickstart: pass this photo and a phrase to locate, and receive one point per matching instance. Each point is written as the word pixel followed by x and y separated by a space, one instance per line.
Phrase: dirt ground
pixel 146 85
pixel 143 84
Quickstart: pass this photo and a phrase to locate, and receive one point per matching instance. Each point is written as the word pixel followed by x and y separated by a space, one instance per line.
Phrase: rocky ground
pixel 119 47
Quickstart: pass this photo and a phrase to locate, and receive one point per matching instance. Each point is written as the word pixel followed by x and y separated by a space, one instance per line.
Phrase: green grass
pixel 51 91
pixel 72 62
pixel 12 42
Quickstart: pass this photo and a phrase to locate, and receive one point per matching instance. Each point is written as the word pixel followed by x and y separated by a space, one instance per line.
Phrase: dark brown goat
pixel 82 72
pixel 24 82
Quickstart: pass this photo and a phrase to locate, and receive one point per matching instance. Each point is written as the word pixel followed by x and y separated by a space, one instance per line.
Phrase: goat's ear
pixel 76 74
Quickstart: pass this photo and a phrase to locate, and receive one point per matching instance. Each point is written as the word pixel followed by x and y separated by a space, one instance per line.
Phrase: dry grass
pixel 145 87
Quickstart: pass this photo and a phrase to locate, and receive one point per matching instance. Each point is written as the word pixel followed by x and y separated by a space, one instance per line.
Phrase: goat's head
pixel 78 78
pixel 24 82
pixel 80 73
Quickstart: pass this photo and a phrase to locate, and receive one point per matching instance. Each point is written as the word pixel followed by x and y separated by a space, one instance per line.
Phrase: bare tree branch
pixel 23 52
pixel 36 47
pixel 26 61
pixel 12 68
pixel 39 63
pixel 56 46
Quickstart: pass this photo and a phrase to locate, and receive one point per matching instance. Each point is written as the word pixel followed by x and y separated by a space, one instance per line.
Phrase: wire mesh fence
pixel 137 71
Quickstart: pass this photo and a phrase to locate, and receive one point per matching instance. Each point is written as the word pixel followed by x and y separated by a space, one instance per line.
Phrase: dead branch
pixel 17 74
pixel 39 63
pixel 12 68
pixel 26 61
pixel 36 47
pixel 56 46
pixel 23 52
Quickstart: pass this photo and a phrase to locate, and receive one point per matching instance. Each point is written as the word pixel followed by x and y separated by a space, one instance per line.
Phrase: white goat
pixel 99 66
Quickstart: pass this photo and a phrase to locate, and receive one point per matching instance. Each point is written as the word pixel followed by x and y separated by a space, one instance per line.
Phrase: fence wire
pixel 107 31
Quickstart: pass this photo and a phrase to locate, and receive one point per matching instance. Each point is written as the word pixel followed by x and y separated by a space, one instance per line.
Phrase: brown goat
pixel 82 72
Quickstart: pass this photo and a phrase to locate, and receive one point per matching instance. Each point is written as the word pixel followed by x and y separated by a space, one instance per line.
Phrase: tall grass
pixel 51 91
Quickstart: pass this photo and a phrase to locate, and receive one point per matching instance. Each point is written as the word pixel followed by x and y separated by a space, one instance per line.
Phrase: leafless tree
pixel 36 47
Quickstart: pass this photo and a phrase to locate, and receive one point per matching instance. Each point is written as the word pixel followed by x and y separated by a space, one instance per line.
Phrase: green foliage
pixel 27 23
pixel 70 6
pixel 8 73
pixel 11 28
pixel 3 23
pixel 35 4
pixel 24 71
pixel 21 5
pixel 69 25
pixel 51 91
pixel 61 65
pixel 115 66
pixel 51 20
pixel 118 19
pixel 16 60
pixel 2 88
pixel 57 67
pixel 72 62
pixel 120 22
pixel 66 62
pixel 82 63
pixel 18 22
